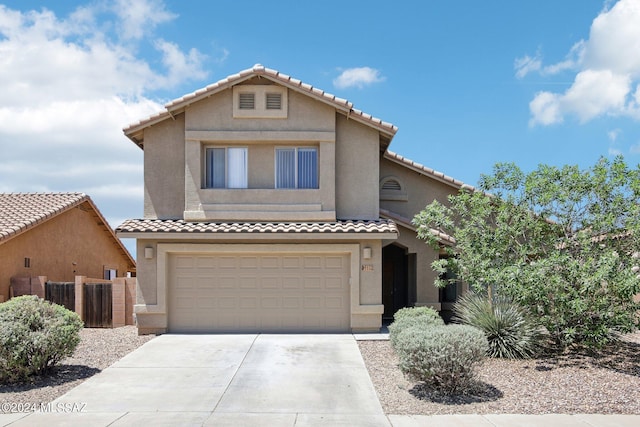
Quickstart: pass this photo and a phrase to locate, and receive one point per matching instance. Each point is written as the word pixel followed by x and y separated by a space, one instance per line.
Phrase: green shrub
pixel 510 331
pixel 427 312
pixel 443 357
pixel 424 317
pixel 35 335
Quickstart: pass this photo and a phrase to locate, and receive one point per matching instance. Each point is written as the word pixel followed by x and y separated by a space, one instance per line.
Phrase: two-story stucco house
pixel 271 205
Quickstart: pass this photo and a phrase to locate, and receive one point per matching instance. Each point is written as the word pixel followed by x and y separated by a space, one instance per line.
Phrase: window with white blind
pixel 297 167
pixel 226 167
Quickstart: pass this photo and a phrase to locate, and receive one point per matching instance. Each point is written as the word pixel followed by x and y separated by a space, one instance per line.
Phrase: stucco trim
pixel 265 136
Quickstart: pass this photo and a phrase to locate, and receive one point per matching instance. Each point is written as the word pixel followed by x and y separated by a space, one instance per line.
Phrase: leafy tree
pixel 562 242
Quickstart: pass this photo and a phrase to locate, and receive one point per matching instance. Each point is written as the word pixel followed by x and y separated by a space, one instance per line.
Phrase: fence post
pixel 80 296
pixel 117 302
pixel 130 299
pixel 37 286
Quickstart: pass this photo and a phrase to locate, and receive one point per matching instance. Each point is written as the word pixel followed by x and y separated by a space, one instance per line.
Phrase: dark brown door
pixel 394 280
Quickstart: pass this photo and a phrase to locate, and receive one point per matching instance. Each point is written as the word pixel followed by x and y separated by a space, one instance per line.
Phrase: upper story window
pixel 297 167
pixel 259 101
pixel 226 167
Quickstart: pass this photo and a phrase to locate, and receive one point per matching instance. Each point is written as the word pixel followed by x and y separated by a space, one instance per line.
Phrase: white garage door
pixel 259 293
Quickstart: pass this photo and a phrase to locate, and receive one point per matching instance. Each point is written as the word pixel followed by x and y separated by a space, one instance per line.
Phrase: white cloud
pixel 607 68
pixel 526 65
pixel 635 149
pixel 545 109
pixel 69 85
pixel 139 17
pixel 357 77
pixel 614 134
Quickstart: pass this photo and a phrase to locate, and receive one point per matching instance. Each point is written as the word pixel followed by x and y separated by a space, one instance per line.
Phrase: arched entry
pixel 398 279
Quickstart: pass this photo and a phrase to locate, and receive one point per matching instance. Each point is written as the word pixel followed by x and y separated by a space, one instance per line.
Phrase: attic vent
pixel 247 101
pixel 391 185
pixel 274 101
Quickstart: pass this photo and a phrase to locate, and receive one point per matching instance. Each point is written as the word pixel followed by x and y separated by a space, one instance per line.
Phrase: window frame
pixel 296 150
pixel 206 168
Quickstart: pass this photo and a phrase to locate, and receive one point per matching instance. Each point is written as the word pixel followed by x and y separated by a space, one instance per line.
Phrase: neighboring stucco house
pixel 271 205
pixel 57 235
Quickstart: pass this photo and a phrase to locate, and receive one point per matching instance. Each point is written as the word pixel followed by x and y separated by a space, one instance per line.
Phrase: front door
pixel 394 280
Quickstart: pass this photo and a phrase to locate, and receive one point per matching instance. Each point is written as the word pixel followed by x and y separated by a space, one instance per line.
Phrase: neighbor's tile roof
pixel 181 226
pixel 276 76
pixel 21 211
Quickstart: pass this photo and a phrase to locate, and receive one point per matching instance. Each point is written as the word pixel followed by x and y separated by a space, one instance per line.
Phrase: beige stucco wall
pixel 53 247
pixel 421 190
pixel 164 169
pixel 357 175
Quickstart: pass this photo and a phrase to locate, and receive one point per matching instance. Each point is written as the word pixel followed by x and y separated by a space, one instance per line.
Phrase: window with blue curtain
pixel 307 168
pixel 297 167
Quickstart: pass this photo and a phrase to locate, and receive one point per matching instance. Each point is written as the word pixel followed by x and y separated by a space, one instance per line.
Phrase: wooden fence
pixel 100 303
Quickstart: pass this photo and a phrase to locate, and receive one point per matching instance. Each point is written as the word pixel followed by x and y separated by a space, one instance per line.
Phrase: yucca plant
pixel 510 331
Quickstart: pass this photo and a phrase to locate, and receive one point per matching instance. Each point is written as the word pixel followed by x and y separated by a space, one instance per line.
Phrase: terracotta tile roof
pixel 397 158
pixel 259 70
pixel 21 211
pixel 181 226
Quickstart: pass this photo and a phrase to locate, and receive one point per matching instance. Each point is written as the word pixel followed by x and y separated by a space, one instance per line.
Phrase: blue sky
pixel 468 83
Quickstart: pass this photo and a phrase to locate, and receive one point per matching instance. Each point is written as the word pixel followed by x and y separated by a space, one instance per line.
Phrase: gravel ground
pixel 606 383
pixel 98 349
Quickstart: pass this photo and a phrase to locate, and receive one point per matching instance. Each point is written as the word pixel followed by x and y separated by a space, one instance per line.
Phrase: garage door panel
pixel 270 302
pixel 290 262
pixel 248 282
pixel 313 282
pixel 226 282
pixel 259 293
pixel 185 262
pixel 312 262
pixel 334 303
pixel 227 262
pixel 206 303
pixel 333 282
pixel 248 262
pixel 291 282
pixel 270 283
pixel 291 302
pixel 270 262
pixel 334 262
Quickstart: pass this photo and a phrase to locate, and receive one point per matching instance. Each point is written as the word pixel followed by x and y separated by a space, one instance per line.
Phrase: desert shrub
pixel 35 335
pixel 427 312
pixel 423 317
pixel 443 357
pixel 510 331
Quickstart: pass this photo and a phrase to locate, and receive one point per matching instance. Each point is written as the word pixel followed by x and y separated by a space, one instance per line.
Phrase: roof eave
pixel 135 131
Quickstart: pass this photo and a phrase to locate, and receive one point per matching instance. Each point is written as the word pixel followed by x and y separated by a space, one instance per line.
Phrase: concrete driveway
pixel 234 380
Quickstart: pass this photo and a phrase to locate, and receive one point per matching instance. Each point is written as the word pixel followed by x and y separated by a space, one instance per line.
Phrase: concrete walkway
pixel 253 380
